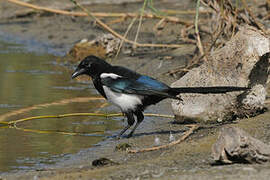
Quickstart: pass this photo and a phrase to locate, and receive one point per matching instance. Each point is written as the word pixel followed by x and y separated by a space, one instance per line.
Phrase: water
pixel 33 84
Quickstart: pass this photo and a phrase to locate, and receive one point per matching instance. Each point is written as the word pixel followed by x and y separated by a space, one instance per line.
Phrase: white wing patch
pixel 111 75
pixel 123 101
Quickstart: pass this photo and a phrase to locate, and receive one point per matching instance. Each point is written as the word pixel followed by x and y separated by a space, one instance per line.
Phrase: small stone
pixel 103 47
pixel 103 162
pixel 157 141
pixel 122 147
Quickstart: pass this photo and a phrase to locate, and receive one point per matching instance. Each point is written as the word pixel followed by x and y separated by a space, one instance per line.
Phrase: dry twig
pixel 188 12
pixel 125 35
pixel 187 134
pixel 196 60
pixel 260 26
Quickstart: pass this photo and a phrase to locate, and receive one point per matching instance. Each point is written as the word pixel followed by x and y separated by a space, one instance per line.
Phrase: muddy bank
pixel 61 32
pixel 188 160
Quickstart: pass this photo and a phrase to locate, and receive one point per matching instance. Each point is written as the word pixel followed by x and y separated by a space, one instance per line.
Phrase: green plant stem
pixel 140 23
pixel 197 17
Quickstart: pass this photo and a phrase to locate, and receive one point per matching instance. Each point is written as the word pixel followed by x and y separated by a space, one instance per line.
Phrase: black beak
pixel 78 72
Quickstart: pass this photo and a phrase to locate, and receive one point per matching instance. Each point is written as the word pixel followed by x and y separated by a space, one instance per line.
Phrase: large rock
pixel 243 61
pixel 235 145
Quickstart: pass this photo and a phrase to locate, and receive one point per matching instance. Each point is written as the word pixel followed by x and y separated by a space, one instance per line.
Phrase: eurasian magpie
pixel 133 92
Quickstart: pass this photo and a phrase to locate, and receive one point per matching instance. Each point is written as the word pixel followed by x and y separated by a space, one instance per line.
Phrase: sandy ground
pixel 188 160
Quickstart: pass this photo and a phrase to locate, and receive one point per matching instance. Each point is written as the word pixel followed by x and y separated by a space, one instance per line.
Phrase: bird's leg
pixel 130 120
pixel 123 131
pixel 140 118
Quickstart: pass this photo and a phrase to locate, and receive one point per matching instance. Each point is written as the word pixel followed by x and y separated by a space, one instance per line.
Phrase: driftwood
pixel 235 145
pixel 243 61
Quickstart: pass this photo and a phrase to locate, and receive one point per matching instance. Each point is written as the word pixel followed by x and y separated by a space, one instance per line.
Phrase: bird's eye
pixel 85 64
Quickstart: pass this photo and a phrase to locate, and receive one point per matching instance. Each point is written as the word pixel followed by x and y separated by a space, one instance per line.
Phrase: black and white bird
pixel 133 92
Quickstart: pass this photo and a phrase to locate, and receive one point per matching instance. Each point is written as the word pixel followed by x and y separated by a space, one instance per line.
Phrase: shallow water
pixel 34 84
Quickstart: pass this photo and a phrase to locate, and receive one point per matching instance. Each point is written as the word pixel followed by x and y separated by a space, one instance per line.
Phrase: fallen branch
pixel 187 134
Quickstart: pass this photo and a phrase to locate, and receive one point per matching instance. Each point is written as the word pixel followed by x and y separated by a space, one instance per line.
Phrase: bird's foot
pixel 118 136
pixel 130 135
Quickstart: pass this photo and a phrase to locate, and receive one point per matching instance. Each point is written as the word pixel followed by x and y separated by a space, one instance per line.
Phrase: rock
pixel 122 147
pixel 243 61
pixel 103 162
pixel 103 46
pixel 235 145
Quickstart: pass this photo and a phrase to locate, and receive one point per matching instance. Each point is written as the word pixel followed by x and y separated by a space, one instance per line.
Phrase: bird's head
pixel 92 66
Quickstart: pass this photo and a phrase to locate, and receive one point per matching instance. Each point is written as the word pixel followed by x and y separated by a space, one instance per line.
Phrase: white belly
pixel 123 101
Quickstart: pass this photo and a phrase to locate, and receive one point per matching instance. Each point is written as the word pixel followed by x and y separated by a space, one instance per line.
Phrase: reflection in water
pixel 32 86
